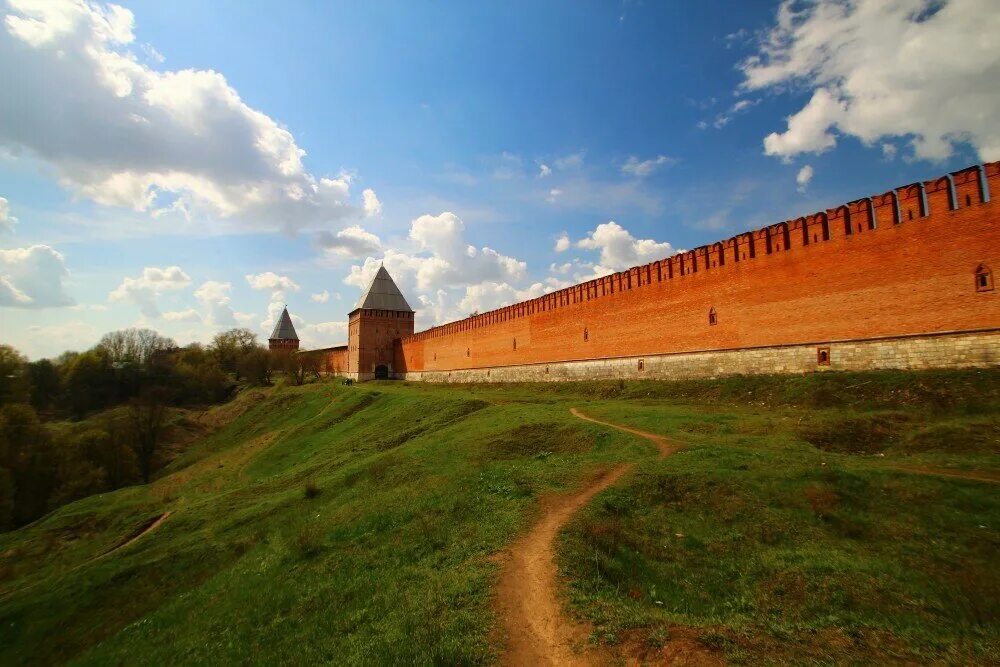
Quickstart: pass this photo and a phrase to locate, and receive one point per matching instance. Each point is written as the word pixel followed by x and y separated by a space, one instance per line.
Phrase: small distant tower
pixel 381 318
pixel 283 338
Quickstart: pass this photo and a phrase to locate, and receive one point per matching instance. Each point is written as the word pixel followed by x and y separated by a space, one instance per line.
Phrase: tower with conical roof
pixel 283 338
pixel 375 326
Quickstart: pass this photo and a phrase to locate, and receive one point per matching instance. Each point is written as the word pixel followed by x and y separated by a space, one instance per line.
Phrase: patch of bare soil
pixel 684 648
pixel 538 632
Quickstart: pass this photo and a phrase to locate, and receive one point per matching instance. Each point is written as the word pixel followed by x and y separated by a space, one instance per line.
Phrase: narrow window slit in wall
pixel 984 278
pixel 586 335
pixel 515 343
pixel 641 365
pixel 468 352
pixel 968 200
pixel 823 356
pixel 713 317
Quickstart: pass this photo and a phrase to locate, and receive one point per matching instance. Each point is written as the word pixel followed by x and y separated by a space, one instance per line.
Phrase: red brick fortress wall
pixel 333 360
pixel 902 263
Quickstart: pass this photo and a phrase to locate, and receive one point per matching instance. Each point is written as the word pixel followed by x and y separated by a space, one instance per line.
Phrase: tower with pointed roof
pixel 375 326
pixel 283 338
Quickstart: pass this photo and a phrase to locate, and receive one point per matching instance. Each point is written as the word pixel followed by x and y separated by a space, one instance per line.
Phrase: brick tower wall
pixel 372 337
pixel 890 277
pixel 282 345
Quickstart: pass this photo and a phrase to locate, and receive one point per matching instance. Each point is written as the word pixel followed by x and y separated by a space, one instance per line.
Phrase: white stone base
pixel 940 350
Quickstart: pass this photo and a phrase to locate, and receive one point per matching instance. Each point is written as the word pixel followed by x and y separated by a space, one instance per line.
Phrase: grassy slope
pixel 778 550
pixel 387 563
pixel 785 548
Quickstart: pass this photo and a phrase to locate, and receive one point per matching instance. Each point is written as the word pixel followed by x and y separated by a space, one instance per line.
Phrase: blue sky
pixel 191 166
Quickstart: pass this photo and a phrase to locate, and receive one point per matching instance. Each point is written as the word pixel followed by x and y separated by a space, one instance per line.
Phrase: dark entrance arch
pixel 381 372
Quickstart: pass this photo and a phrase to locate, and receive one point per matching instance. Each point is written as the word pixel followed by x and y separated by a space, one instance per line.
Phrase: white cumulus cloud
pixel 804 176
pixel 7 221
pixel 372 205
pixel 322 297
pixel 354 241
pixel 924 71
pixel 620 250
pixel 130 135
pixel 144 290
pixel 269 281
pixel 562 243
pixel 214 296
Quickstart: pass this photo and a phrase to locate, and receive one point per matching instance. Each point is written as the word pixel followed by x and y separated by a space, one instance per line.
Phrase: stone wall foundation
pixel 941 350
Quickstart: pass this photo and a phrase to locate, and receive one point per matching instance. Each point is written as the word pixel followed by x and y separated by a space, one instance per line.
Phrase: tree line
pixel 93 421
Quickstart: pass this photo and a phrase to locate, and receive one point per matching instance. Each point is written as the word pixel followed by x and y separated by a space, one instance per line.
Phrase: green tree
pixel 90 382
pixel 300 365
pixel 114 453
pixel 197 377
pixel 44 378
pixel 77 476
pixel 228 347
pixel 137 346
pixel 6 498
pixel 147 415
pixel 14 382
pixel 27 456
pixel 256 364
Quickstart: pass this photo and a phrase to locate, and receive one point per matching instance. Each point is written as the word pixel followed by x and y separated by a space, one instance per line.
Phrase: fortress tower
pixel 283 338
pixel 381 318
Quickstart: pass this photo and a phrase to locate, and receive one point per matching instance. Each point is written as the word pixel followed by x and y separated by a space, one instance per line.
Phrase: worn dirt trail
pixel 665 445
pixel 538 631
pixel 4 594
pixel 970 475
pixel 135 538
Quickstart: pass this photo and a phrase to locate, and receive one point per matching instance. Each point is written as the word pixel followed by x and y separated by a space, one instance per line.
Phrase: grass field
pixel 806 519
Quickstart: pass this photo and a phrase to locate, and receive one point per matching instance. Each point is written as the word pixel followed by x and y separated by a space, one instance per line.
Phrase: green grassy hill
pixel 806 518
